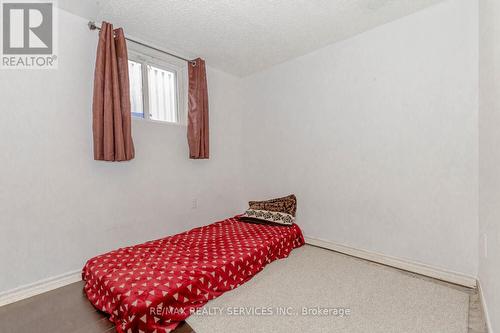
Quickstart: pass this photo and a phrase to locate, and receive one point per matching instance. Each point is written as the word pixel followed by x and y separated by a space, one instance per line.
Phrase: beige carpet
pixel 380 299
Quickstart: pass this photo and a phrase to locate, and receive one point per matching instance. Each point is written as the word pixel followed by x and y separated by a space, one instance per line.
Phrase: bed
pixel 154 286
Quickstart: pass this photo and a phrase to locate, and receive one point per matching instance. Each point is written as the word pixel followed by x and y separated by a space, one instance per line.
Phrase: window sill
pixel 163 123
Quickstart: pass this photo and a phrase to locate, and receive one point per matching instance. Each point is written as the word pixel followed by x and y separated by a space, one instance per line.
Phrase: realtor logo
pixel 28 34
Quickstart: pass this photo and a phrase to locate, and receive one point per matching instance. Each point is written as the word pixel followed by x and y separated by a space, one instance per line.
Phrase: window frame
pixel 179 69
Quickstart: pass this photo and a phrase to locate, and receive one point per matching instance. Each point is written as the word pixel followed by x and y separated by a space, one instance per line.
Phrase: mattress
pixel 154 286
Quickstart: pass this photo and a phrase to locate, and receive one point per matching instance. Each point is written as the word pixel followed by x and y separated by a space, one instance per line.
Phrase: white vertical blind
pixel 162 95
pixel 135 79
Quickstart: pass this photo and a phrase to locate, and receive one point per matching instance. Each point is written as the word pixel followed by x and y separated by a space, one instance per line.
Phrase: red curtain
pixel 111 104
pixel 198 136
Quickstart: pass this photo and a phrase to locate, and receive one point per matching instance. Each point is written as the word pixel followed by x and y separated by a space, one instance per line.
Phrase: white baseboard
pixel 407 265
pixel 39 287
pixel 485 307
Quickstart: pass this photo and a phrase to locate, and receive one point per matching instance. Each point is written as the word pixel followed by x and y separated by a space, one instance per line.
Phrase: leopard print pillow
pixel 287 205
pixel 267 217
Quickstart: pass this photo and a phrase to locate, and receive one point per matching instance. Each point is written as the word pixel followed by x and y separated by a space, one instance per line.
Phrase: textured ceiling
pixel 246 36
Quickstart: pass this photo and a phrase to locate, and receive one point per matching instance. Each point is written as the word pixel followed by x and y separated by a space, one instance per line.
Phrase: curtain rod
pixel 93 26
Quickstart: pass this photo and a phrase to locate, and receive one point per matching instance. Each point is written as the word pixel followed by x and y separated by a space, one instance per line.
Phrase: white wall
pixel 59 207
pixel 377 135
pixel 489 158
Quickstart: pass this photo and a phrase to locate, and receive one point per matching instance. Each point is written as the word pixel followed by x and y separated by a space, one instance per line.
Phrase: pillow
pixel 287 205
pixel 266 216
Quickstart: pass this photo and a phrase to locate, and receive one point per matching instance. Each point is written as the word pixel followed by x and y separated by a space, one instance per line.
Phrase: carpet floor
pixel 316 290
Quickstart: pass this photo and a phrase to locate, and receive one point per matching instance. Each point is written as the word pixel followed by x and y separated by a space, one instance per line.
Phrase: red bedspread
pixel 155 285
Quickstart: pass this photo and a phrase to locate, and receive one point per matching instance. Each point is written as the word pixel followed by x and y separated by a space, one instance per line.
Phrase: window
pixel 162 95
pixel 154 89
pixel 135 77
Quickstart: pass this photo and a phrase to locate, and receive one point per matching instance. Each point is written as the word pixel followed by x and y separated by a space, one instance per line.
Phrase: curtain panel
pixel 111 124
pixel 198 133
